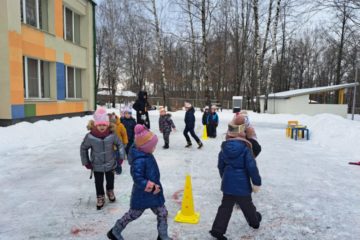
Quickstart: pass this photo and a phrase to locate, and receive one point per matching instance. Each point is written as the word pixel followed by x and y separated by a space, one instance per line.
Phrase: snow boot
pixel 110 194
pixel 166 146
pixel 217 235
pixel 100 202
pixel 200 145
pixel 189 144
pixel 166 238
pixel 111 236
pixel 259 216
pixel 163 231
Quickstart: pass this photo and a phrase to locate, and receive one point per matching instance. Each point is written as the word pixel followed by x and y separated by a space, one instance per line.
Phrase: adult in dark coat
pixel 190 125
pixel 142 107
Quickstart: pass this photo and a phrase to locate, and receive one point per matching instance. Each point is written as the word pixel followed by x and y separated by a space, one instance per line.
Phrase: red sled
pixel 354 163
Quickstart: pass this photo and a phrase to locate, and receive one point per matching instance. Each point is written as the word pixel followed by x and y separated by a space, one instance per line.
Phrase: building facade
pixel 47 59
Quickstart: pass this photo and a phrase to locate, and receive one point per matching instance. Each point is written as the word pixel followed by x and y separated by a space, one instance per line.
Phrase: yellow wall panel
pixel 67 58
pixel 58 11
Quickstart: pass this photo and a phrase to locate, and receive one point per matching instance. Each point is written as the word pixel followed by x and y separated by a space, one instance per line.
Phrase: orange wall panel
pixel 14 39
pixel 43 109
pixel 33 50
pixel 67 58
pixel 59 28
pixel 32 35
pixel 50 55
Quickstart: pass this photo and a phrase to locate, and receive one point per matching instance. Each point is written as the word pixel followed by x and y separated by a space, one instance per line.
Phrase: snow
pixel 309 191
pixel 305 91
pixel 120 93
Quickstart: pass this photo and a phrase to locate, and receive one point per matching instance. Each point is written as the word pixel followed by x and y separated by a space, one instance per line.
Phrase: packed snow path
pixel 309 191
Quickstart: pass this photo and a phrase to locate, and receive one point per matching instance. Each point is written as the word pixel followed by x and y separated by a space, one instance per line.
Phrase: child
pixel 165 126
pixel 190 125
pixel 237 168
pixel 205 117
pixel 121 134
pixel 147 191
pixel 129 123
pixel 101 140
pixel 212 122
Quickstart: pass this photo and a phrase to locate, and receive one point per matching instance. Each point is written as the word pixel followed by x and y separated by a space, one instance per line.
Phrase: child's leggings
pixel 133 214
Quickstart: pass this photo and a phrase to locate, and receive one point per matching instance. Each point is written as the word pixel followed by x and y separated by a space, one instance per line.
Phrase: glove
pixel 255 188
pixel 156 189
pixel 88 166
pixel 149 186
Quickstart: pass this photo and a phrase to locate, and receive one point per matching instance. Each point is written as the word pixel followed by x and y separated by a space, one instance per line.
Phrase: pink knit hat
pixel 145 140
pixel 101 117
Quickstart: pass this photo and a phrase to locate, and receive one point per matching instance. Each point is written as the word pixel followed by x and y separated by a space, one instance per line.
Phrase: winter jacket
pixel 166 123
pixel 205 117
pixel 236 167
pixel 190 118
pixel 129 124
pixel 102 151
pixel 212 119
pixel 121 131
pixel 143 169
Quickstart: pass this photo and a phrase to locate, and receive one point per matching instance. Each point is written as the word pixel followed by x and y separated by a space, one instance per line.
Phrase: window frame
pixel 37 13
pixel 39 97
pixel 72 25
pixel 75 80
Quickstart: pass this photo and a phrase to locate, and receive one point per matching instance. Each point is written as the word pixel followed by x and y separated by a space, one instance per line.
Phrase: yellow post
pixel 204 135
pixel 341 96
pixel 187 213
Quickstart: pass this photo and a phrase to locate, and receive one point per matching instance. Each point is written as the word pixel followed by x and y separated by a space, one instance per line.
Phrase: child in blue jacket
pixel 240 177
pixel 147 191
pixel 212 122
pixel 129 123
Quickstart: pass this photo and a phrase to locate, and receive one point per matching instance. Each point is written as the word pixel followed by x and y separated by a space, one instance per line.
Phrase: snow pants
pixel 166 136
pixel 99 182
pixel 225 210
pixel 211 130
pixel 133 214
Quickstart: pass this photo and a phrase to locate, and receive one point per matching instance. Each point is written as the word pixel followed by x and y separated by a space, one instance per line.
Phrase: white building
pixel 299 102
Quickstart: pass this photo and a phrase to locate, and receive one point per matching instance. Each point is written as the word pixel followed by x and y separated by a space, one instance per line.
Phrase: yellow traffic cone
pixel 187 213
pixel 204 135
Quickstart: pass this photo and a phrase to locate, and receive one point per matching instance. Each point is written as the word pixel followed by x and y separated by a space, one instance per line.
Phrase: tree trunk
pixel 268 81
pixel 257 55
pixel 161 55
pixel 204 45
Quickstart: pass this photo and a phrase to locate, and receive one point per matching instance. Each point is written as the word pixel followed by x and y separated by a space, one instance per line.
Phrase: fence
pixel 178 103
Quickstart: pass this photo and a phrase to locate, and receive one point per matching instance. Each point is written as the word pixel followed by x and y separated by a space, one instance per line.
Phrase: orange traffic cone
pixel 187 213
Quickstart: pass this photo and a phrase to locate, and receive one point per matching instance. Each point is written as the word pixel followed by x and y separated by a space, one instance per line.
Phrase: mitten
pixel 149 186
pixel 255 188
pixel 89 166
pixel 157 189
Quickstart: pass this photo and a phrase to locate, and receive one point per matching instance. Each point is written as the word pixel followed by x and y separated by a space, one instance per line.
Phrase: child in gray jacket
pixel 102 141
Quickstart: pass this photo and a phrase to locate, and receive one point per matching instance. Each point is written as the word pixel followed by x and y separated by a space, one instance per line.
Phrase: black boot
pixel 259 216
pixel 111 236
pixel 189 144
pixel 166 146
pixel 200 145
pixel 217 235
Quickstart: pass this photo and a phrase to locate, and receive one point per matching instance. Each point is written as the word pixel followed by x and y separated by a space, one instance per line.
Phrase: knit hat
pixel 101 117
pixel 127 110
pixel 162 109
pixel 236 127
pixel 188 105
pixel 213 107
pixel 145 140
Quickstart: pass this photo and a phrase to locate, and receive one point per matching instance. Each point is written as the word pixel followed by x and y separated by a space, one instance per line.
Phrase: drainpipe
pixel 354 98
pixel 94 55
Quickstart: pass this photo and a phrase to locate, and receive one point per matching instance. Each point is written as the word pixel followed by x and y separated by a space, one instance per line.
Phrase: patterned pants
pixel 133 214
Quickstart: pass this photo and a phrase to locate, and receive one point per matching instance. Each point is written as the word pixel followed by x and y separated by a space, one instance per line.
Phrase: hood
pixel 141 95
pixel 168 115
pixel 233 148
pixel 91 125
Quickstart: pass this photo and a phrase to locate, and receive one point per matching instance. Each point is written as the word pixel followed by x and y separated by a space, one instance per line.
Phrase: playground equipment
pixel 187 213
pixel 295 131
pixel 290 126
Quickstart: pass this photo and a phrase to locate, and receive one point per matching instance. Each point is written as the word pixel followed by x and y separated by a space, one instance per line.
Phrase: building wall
pixel 300 105
pixel 18 39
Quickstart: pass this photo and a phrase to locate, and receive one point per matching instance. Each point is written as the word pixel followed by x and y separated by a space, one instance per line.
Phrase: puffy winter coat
pixel 143 169
pixel 166 123
pixel 142 105
pixel 205 117
pixel 236 167
pixel 213 119
pixel 129 124
pixel 121 131
pixel 102 152
pixel 190 118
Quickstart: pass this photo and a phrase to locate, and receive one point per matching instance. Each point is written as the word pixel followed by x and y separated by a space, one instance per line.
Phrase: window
pixel 35 13
pixel 71 26
pixel 37 78
pixel 73 82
